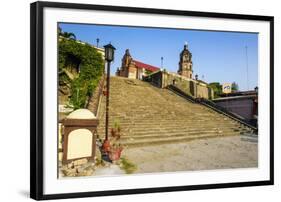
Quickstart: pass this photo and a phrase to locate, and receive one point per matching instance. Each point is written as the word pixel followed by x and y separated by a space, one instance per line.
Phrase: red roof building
pixel 146 66
pixel 131 68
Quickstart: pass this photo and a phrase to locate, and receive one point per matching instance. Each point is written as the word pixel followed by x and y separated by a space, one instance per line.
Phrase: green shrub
pixel 217 88
pixel 91 67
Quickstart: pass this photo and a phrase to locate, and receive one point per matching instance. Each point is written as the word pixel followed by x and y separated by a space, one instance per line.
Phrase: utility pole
pixel 247 72
pixel 162 62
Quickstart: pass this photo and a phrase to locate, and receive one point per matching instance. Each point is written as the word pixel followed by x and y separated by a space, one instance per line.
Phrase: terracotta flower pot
pixel 106 146
pixel 115 154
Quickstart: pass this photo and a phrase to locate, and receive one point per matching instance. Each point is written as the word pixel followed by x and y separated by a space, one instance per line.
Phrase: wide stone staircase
pixel 150 115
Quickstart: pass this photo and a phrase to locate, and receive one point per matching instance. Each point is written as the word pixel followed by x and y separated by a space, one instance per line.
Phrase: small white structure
pixel 79 135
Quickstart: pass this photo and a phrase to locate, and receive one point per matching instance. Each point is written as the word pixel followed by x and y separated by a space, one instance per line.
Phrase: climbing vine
pixel 89 65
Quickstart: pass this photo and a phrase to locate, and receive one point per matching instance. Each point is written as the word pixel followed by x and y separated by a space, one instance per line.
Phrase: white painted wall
pixel 79 144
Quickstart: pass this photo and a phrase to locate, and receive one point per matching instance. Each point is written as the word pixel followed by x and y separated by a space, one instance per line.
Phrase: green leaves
pixel 91 66
pixel 217 87
pixel 234 87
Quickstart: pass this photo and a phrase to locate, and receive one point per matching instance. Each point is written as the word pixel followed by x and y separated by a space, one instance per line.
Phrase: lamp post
pixel 98 40
pixel 109 57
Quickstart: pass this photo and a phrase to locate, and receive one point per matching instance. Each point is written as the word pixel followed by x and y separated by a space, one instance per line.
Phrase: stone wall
pixel 203 91
pixel 197 89
pixel 132 72
pixel 181 82
pixel 243 106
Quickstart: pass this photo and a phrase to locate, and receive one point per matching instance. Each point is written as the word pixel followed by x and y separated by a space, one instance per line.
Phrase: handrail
pixel 212 106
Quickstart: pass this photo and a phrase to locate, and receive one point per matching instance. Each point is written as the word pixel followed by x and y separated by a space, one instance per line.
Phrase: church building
pixel 185 64
pixel 183 79
pixel 131 68
pixel 134 69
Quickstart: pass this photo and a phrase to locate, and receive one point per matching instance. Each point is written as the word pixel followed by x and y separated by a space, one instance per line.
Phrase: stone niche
pixel 79 139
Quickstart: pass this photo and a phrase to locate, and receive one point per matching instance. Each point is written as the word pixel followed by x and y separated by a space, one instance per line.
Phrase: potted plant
pixel 116 130
pixel 111 149
pixel 115 152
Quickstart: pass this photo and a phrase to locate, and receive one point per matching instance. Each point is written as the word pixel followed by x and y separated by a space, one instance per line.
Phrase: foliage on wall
pixel 90 68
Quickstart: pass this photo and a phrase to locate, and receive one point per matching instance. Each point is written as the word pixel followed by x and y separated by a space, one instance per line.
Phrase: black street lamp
pixel 109 52
pixel 109 56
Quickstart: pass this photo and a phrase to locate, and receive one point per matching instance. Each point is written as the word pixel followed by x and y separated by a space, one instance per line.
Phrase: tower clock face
pixel 185 58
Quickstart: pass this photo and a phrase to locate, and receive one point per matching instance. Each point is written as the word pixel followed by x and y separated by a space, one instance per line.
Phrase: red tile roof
pixel 146 66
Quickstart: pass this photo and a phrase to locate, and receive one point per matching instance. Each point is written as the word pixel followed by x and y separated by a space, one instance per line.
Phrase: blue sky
pixel 217 56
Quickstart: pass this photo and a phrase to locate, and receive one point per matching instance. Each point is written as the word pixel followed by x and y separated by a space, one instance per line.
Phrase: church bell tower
pixel 185 64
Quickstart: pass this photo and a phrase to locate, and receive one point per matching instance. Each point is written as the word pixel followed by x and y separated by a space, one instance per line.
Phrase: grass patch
pixel 127 165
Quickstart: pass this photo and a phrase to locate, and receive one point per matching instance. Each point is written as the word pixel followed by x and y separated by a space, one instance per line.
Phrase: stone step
pixel 145 126
pixel 135 120
pixel 151 115
pixel 141 127
pixel 138 136
pixel 148 134
pixel 168 140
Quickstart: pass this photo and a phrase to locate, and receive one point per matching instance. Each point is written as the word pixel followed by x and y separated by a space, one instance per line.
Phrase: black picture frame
pixel 37 99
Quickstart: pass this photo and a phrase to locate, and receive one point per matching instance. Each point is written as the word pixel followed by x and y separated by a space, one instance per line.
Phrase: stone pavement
pixel 201 154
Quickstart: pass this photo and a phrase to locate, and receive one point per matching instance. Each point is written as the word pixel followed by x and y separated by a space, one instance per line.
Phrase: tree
pixel 147 72
pixel 68 35
pixel 234 87
pixel 217 88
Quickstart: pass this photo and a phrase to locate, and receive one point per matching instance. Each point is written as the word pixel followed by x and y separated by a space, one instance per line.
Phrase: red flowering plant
pixel 116 147
pixel 111 149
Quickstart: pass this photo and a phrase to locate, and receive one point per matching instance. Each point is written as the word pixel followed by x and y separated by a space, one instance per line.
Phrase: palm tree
pixel 68 35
